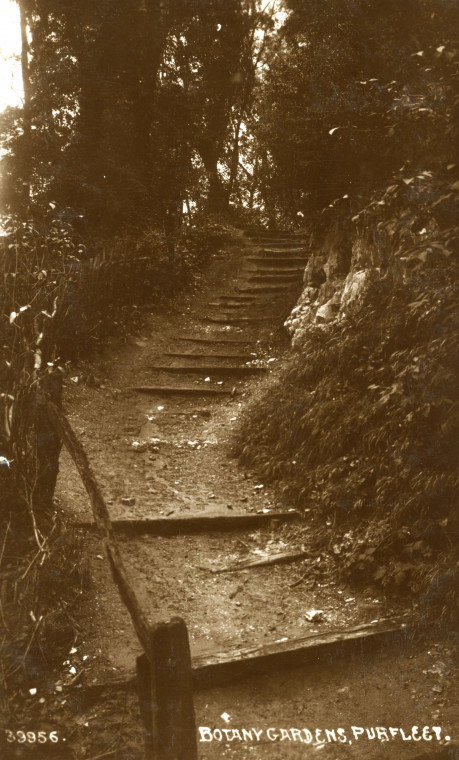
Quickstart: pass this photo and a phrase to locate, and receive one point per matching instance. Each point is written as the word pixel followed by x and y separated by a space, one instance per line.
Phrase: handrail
pixel 164 673
pixel 103 522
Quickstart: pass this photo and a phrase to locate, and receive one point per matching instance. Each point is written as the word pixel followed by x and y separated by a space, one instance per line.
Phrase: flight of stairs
pixel 266 284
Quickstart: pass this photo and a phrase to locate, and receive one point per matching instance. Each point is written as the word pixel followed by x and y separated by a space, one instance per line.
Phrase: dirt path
pixel 167 454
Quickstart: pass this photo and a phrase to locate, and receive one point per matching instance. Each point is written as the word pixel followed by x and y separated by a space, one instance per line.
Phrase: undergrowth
pixel 41 591
pixel 361 430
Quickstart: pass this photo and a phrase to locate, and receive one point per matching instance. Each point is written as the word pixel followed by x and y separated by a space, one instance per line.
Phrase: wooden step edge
pixel 189 355
pixel 283 249
pixel 272 281
pixel 259 300
pixel 223 304
pixel 263 232
pixel 232 302
pixel 279 280
pixel 281 288
pixel 201 522
pixel 231 320
pixel 272 275
pixel 291 276
pixel 235 297
pixel 249 275
pixel 281 558
pixel 164 390
pixel 294 242
pixel 247 287
pixel 274 278
pixel 212 339
pixel 280 246
pixel 276 259
pixel 215 669
pixel 215 370
pixel 275 269
pixel 266 258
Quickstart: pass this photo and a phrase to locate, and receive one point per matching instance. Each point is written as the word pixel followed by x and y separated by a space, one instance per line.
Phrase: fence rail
pixel 164 674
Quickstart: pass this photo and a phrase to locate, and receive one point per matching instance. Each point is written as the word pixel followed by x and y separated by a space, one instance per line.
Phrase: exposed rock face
pixel 342 265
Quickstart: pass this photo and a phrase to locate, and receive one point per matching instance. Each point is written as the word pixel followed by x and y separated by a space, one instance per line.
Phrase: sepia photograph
pixel 229 379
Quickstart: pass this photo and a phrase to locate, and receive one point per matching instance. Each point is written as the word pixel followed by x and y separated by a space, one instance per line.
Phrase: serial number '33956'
pixel 31 737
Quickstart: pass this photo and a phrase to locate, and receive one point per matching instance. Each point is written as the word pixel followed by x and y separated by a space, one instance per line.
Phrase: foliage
pixel 344 112
pixel 360 429
pixel 41 598
pixel 357 123
pixel 205 237
pixel 353 89
pixel 58 301
pixel 35 258
pixel 131 109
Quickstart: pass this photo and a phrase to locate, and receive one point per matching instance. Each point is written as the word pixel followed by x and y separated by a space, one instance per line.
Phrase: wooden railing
pixel 164 676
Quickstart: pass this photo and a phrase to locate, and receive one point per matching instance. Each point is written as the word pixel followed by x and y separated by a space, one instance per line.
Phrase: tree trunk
pixel 210 149
pixel 218 198
pixel 151 30
pixel 91 127
pixel 26 113
pixel 235 157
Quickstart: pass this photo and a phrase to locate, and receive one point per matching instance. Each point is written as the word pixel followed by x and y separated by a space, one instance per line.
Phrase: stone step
pixel 189 355
pixel 208 370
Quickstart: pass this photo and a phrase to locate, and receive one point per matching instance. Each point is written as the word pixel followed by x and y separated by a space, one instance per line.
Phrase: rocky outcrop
pixel 348 254
pixel 343 263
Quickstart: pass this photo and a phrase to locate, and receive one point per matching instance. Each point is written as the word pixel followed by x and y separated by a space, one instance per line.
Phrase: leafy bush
pixel 34 260
pixel 59 298
pixel 354 91
pixel 362 429
pixel 203 238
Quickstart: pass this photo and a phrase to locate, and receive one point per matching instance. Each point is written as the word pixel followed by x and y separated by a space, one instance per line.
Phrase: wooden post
pixel 48 445
pixel 174 690
pixel 166 694
pixel 145 689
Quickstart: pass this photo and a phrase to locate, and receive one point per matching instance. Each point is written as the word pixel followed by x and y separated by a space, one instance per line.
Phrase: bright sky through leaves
pixel 10 50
